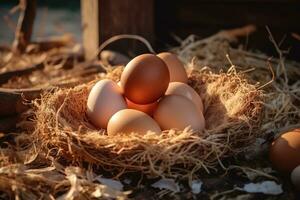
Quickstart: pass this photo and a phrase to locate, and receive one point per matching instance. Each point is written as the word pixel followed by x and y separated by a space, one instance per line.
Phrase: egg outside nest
pixel 285 151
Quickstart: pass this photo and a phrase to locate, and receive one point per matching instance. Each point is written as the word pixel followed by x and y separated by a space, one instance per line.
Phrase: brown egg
pixel 285 151
pixel 104 100
pixel 176 68
pixel 295 177
pixel 187 91
pixel 145 79
pixel 129 120
pixel 178 112
pixel 146 108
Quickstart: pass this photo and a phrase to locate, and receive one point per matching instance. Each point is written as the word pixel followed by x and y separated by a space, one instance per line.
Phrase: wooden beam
pixel 90 27
pixel 25 25
pixel 103 19
pixel 8 123
pixel 11 100
pixel 126 17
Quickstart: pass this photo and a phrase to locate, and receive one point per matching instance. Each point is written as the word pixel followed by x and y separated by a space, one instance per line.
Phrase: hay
pixel 26 173
pixel 59 66
pixel 282 95
pixel 30 170
pixel 232 112
pixel 70 183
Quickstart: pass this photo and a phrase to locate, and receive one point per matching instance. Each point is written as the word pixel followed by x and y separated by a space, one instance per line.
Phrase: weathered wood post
pixel 25 25
pixel 102 19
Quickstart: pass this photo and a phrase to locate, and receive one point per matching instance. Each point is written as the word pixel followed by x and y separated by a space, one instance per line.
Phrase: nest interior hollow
pixel 232 113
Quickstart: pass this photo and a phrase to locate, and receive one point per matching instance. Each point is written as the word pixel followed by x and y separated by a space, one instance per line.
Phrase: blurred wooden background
pixel 205 17
pixel 161 20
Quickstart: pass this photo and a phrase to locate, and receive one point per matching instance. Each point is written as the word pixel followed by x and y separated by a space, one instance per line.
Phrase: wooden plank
pixel 5 76
pixel 241 1
pixel 103 19
pixel 25 25
pixel 126 17
pixel 204 18
pixel 191 13
pixel 11 100
pixel 281 15
pixel 8 123
pixel 90 27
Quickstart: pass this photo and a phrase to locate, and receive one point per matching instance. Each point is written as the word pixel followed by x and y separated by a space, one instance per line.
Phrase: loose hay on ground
pixel 232 112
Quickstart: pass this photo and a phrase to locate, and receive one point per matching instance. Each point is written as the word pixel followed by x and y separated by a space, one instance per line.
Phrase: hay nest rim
pixel 232 111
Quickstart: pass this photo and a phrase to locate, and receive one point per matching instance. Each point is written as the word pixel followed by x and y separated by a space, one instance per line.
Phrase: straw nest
pixel 28 173
pixel 232 112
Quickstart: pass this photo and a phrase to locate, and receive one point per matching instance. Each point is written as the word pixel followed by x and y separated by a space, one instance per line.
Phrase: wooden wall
pixel 205 17
pixel 160 19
